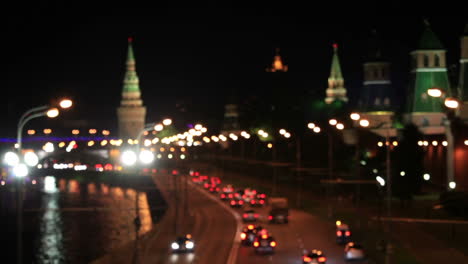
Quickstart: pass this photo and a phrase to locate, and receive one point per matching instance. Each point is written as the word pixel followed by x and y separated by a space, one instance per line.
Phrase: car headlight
pixel 189 245
pixel 174 245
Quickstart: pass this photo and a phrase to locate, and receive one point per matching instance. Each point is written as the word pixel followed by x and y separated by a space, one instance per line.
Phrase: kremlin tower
pixel 131 113
pixel 336 89
pixel 428 70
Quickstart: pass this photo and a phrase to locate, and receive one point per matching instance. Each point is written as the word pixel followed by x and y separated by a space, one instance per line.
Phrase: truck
pixel 279 212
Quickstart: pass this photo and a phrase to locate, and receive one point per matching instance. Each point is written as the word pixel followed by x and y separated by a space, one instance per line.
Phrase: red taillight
pixel 223 195
pixel 265 236
pixel 243 236
pixel 322 259
pixel 307 259
pixel 262 201
pixel 241 202
pixel 273 244
pixel 252 201
pixel 154 170
pixel 233 202
pixel 206 185
pixel 256 215
pixel 339 233
pixel 256 244
pixel 197 173
pixel 245 215
pixel 270 217
pixel 230 195
pixel 347 233
pixel 250 227
pixel 217 189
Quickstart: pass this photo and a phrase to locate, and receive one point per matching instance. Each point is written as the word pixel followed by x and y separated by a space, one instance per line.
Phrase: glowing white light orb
pixel 11 159
pixel 20 170
pixel 31 159
pixel 129 158
pixel 146 156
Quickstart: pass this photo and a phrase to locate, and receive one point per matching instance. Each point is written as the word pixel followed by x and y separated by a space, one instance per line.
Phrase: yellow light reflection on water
pixel 117 191
pixel 91 188
pixel 145 213
pixel 104 189
pixel 73 186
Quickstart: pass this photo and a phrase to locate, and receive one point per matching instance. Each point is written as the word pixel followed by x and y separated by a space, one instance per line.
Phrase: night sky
pixel 190 58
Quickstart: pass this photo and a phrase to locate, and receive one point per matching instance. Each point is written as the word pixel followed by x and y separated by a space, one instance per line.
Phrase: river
pixel 76 218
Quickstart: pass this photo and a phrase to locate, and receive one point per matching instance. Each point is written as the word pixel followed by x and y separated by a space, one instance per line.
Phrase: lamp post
pixel 451 104
pixel 30 114
pixel 365 123
pixel 130 158
pixel 316 129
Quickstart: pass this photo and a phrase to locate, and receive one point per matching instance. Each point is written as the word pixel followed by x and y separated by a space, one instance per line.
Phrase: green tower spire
pixel 131 82
pixel 429 40
pixel 131 113
pixel 336 89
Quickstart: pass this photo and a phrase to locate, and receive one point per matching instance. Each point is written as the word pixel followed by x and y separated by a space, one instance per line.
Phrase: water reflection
pixel 145 213
pixel 49 184
pixel 83 221
pixel 51 227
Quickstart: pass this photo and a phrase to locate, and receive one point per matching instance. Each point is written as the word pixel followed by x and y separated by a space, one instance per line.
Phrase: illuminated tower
pixel 277 65
pixel 377 93
pixel 377 100
pixel 428 70
pixel 336 89
pixel 131 113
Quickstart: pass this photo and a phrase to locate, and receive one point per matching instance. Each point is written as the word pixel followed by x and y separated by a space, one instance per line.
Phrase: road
pixel 213 228
pixel 304 231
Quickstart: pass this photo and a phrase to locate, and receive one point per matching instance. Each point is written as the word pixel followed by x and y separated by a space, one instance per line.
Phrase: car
pixel 353 251
pixel 343 234
pixel 194 173
pixel 228 189
pixel 224 197
pixel 248 234
pixel 313 256
pixel 215 181
pixel 236 203
pixel 278 215
pixel 214 189
pixel 264 243
pixel 183 244
pixel 257 202
pixel 249 216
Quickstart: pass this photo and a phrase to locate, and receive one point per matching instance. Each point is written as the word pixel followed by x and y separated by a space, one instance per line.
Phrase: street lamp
pixel 21 170
pixel 451 104
pixel 316 129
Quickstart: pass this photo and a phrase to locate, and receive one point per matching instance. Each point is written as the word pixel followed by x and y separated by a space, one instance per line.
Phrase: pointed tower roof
pixel 374 50
pixel 277 65
pixel 429 40
pixel 336 89
pixel 335 72
pixel 131 82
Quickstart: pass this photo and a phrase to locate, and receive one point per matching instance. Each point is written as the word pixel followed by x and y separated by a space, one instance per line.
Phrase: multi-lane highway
pixel 214 227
